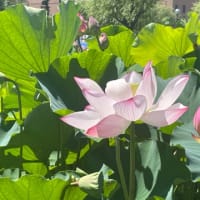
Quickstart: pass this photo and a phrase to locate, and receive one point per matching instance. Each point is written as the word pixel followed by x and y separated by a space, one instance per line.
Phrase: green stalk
pixel 79 44
pixel 21 126
pixel 120 168
pixel 20 119
pixel 59 152
pixel 196 71
pixel 132 147
pixel 2 109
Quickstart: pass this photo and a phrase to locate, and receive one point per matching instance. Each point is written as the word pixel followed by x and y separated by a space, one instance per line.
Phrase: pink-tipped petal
pixel 196 120
pixel 164 117
pixel 172 91
pixel 100 102
pixel 88 84
pixel 82 120
pixel 132 77
pixel 110 126
pixel 90 108
pixel 131 109
pixel 148 86
pixel 197 138
pixel 118 90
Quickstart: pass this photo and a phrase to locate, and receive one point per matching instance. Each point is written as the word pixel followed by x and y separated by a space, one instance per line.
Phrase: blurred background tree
pixel 129 12
pixel 196 7
pixel 162 14
pixel 6 3
pixel 2 5
pixel 133 14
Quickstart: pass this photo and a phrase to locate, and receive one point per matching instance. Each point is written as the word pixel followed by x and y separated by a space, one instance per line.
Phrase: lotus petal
pixel 196 120
pixel 88 84
pixel 172 91
pixel 118 90
pixel 100 102
pixel 132 77
pixel 148 86
pixel 82 120
pixel 110 126
pixel 131 109
pixel 166 117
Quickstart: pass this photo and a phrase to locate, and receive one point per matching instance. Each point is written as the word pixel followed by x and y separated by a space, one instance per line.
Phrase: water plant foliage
pixel 43 158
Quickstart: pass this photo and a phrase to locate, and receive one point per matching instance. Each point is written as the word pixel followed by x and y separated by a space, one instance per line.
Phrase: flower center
pixel 134 87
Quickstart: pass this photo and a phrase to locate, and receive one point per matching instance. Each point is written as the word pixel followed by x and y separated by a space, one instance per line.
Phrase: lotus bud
pixel 92 183
pixel 196 123
pixel 83 27
pixel 93 26
pixel 103 41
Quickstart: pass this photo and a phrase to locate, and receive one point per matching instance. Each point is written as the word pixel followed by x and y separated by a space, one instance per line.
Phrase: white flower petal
pixel 160 118
pixel 172 91
pixel 148 86
pixel 88 84
pixel 110 126
pixel 132 77
pixel 118 90
pixel 82 120
pixel 100 102
pixel 131 109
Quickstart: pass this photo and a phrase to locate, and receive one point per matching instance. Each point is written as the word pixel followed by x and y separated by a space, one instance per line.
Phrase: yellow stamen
pixel 134 88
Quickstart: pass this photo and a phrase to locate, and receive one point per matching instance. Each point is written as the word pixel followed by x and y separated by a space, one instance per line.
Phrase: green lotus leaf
pixel 155 175
pixel 183 136
pixel 5 136
pixel 30 40
pixel 161 44
pixel 120 45
pixel 31 187
pixel 59 84
pixel 157 42
pixel 113 29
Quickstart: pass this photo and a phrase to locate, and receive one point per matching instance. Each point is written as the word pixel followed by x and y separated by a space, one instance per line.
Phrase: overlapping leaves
pixel 33 43
pixel 166 46
pixel 30 40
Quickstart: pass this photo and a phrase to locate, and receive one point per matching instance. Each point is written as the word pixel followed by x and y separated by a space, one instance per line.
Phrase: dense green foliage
pixel 43 158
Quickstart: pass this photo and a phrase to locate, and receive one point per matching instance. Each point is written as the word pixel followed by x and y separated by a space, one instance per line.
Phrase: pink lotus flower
pixel 99 118
pixel 196 123
pixel 163 112
pixel 127 99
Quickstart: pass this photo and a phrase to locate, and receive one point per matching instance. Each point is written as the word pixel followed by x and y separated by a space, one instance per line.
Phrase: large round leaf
pixel 43 131
pixel 165 46
pixel 59 82
pixel 31 187
pixel 30 40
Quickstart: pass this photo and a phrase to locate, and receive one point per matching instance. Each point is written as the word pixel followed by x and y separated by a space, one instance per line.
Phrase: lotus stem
pixel 132 148
pixel 20 121
pixel 20 118
pixel 196 71
pixel 120 169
